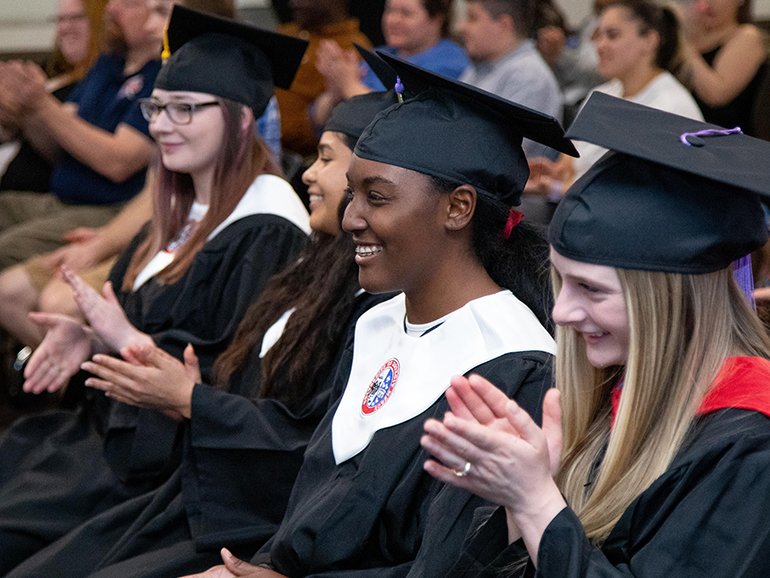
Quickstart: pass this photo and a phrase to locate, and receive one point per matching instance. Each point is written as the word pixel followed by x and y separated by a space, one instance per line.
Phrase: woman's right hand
pixel 67 344
pixel 490 446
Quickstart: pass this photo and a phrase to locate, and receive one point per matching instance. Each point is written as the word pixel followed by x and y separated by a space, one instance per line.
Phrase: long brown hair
pixel 321 286
pixel 682 328
pixel 242 158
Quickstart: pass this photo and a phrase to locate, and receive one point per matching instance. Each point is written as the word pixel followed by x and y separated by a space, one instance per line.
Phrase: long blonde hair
pixel 682 328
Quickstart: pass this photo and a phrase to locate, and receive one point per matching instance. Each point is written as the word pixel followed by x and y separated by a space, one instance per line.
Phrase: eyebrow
pixel 592 282
pixel 374 180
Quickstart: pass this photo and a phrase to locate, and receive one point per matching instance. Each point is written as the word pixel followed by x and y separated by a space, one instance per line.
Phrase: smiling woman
pixel 654 460
pixel 223 223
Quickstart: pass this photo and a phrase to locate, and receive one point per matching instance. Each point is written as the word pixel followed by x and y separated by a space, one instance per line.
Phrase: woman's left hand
pixel 149 378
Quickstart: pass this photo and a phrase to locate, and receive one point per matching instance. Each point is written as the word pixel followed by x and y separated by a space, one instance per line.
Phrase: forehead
pixel 571 269
pixel 363 170
pixel 334 140
pixel 70 7
pixel 616 15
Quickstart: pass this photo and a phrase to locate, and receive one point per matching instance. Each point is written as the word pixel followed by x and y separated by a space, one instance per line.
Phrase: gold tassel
pixel 166 50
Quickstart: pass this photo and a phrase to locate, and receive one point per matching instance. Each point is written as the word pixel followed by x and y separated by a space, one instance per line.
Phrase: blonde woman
pixel 658 463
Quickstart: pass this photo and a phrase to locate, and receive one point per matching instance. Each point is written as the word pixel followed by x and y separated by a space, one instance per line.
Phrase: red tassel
pixel 514 218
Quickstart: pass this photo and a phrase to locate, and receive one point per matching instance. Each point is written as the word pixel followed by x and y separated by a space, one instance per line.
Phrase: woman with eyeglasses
pixel 223 224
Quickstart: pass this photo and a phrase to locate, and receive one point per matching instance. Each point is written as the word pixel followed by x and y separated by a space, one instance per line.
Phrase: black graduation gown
pixel 62 468
pixel 708 515
pixel 241 456
pixel 379 513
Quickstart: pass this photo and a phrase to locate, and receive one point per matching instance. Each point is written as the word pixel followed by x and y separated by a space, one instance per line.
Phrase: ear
pixel 461 205
pixel 247 119
pixel 505 21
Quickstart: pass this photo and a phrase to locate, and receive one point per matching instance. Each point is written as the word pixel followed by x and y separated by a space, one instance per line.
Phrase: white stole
pixel 395 377
pixel 268 194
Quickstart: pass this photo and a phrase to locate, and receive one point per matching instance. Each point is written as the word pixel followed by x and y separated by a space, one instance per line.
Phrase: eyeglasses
pixel 178 112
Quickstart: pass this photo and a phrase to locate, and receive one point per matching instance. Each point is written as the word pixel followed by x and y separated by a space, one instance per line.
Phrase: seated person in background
pixel 79 28
pixel 415 30
pixel 314 21
pixel 32 286
pixel 495 34
pixel 224 223
pixel 271 388
pixel 638 46
pixel 99 140
pixel 726 60
pixel 506 63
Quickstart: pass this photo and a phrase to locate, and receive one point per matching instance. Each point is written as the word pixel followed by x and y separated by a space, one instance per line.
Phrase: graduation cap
pixel 355 114
pixel 673 195
pixel 228 59
pixel 454 131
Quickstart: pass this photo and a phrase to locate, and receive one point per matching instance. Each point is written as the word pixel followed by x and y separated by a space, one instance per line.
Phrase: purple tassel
pixel 745 278
pixel 399 89
pixel 709 132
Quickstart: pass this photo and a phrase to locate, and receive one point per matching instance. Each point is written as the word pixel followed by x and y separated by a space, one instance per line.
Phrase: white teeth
pixel 367 250
pixel 316 198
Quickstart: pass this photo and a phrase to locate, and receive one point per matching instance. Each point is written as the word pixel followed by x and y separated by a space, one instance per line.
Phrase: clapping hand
pixel 490 446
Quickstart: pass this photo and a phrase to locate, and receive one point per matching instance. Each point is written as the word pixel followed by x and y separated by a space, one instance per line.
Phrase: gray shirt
pixel 523 77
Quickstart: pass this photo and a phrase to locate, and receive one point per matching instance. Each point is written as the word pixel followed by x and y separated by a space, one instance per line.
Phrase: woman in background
pixel 639 49
pixel 726 61
pixel 79 25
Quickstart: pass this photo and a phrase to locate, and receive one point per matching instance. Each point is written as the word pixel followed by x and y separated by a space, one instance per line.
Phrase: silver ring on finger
pixel 462 472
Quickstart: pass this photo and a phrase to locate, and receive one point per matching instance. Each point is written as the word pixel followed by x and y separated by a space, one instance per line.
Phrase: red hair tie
pixel 514 218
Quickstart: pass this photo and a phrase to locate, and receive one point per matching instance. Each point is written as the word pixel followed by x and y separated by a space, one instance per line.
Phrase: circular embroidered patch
pixel 381 387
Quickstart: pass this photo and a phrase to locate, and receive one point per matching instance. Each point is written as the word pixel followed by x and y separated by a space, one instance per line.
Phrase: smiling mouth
pixel 316 198
pixel 367 250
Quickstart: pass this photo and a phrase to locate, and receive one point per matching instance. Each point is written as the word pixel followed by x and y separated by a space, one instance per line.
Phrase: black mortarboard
pixel 355 114
pixel 228 59
pixel 457 132
pixel 666 199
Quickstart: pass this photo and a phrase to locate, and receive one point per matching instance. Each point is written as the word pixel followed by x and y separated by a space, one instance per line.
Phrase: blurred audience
pixel 79 27
pixel 415 30
pixel 638 44
pixel 368 12
pixel 314 21
pixel 726 61
pixel 572 57
pixel 98 140
pixel 495 34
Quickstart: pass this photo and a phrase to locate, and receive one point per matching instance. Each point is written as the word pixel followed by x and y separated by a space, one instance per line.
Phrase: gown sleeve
pixel 706 516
